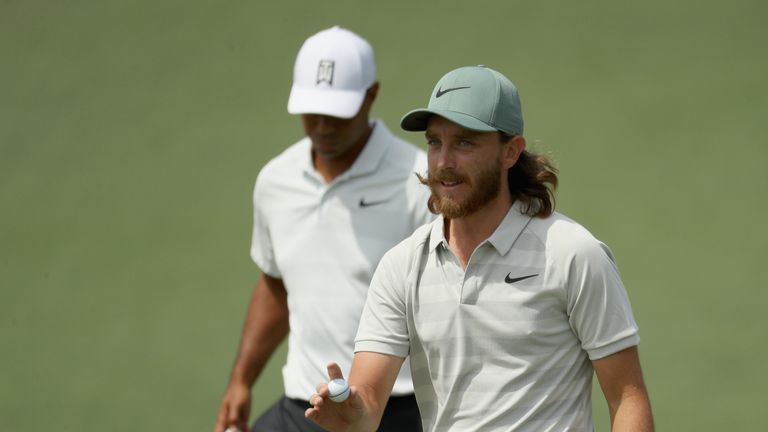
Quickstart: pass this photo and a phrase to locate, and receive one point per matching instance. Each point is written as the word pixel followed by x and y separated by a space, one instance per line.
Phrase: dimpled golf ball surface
pixel 338 390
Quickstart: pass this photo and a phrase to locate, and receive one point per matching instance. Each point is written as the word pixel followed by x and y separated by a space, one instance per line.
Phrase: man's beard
pixel 484 187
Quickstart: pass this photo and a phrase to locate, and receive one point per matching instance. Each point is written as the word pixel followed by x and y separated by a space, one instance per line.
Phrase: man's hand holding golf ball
pixel 337 406
pixel 371 378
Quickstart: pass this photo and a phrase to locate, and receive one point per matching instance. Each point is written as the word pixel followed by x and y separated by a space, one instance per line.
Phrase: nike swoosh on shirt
pixel 364 203
pixel 510 279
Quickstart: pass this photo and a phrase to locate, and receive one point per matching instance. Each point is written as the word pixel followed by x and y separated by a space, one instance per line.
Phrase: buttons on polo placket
pixel 471 290
pixel 460 275
pixel 322 200
pixel 450 269
pixel 328 193
pixel 473 280
pixel 454 271
pixel 320 189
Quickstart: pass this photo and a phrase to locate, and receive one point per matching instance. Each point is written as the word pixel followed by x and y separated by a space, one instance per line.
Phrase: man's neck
pixel 466 233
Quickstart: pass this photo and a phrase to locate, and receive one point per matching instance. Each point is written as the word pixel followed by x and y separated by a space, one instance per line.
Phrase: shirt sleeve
pixel 262 252
pixel 383 326
pixel 598 306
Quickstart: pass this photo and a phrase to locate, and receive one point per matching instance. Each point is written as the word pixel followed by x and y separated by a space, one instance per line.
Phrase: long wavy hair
pixel 532 182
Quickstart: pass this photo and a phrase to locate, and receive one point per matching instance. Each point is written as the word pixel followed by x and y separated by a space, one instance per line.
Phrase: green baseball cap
pixel 474 97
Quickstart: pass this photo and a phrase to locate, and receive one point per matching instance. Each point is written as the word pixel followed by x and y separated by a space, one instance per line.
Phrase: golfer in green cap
pixel 504 306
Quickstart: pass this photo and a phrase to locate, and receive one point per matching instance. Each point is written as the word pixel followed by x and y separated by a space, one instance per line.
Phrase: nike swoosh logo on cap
pixel 441 92
pixel 510 280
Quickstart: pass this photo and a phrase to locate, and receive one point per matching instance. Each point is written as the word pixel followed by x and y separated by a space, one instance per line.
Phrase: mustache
pixel 441 175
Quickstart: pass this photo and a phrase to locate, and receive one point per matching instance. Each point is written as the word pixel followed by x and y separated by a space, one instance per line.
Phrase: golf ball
pixel 338 390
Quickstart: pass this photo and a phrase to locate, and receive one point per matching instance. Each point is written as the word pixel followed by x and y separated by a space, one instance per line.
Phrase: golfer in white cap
pixel 325 211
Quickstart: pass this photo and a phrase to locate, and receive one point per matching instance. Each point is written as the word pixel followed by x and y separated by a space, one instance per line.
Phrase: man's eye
pixel 466 143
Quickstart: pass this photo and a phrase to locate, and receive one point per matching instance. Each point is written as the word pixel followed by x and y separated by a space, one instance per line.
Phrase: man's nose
pixel 445 157
pixel 325 123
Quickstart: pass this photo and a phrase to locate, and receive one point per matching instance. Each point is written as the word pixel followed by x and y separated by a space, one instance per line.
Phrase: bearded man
pixel 504 306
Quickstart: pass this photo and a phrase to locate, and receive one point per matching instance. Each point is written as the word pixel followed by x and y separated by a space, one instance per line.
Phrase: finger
pixel 316 400
pixel 322 389
pixel 233 415
pixel 236 419
pixel 310 413
pixel 221 418
pixel 334 371
pixel 242 416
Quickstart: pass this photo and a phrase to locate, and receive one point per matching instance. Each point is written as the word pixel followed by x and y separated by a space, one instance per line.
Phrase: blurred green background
pixel 131 133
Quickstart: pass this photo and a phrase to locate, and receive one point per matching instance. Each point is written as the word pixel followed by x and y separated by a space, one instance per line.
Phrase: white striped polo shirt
pixel 506 343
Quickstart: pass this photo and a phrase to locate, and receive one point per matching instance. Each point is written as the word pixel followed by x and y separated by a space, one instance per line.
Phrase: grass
pixel 131 134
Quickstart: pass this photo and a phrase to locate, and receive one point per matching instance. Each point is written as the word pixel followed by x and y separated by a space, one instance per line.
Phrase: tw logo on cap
pixel 325 72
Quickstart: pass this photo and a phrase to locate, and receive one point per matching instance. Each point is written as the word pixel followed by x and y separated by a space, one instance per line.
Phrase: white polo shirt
pixel 325 240
pixel 505 344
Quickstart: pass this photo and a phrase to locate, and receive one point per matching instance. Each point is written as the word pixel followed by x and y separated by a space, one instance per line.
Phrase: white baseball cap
pixel 333 71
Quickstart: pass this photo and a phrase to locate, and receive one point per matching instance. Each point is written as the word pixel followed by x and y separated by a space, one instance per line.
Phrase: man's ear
pixel 370 95
pixel 512 151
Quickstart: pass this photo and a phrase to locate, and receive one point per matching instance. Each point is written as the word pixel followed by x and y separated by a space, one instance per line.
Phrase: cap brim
pixel 335 103
pixel 417 120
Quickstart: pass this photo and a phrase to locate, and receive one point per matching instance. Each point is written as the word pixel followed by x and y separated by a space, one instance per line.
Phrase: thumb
pixel 334 371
